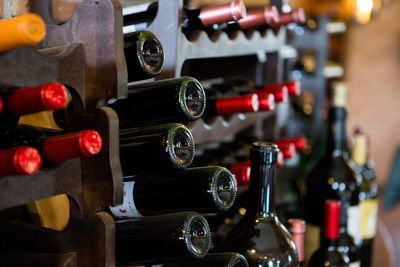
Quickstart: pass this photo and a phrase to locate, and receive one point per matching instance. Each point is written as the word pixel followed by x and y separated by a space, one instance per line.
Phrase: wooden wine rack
pixel 86 54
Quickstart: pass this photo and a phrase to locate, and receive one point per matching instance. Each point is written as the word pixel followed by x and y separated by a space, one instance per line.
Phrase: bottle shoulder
pixel 263 240
pixel 329 258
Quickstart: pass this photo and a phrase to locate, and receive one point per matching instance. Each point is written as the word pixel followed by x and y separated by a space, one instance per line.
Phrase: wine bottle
pixel 210 189
pixel 138 17
pixel 173 100
pixel 29 100
pixel 23 30
pixel 159 147
pixel 260 236
pixel 295 16
pixel 254 19
pixel 231 105
pixel 332 177
pixel 345 242
pixel 367 197
pixel 22 160
pixel 206 17
pixel 144 55
pixel 293 87
pixel 297 228
pixel 327 255
pixel 239 86
pixel 55 147
pixel 161 238
pixel 225 259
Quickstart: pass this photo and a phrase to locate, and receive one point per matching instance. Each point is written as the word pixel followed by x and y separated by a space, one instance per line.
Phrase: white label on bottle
pixel 354 222
pixel 128 208
pixel 355 264
pixel 369 213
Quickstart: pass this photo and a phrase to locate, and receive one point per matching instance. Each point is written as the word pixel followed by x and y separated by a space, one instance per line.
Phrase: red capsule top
pixel 48 96
pixel 22 160
pixel 293 87
pixel 279 91
pixel 331 219
pixel 295 16
pixel 1 105
pixel 63 147
pixel 266 101
pixel 299 142
pixel 297 228
pixel 218 14
pixel 241 172
pixel 237 104
pixel 288 150
pixel 259 17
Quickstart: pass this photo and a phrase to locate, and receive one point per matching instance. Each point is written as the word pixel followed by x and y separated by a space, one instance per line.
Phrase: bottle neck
pixel 261 189
pixel 337 142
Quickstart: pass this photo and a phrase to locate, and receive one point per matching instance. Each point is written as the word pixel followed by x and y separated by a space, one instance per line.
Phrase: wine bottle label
pixel 128 208
pixel 354 222
pixel 312 241
pixel 369 213
pixel 355 264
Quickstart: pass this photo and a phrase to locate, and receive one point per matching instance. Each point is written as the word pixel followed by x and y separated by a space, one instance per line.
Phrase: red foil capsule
pixel 48 96
pixel 299 142
pixel 60 148
pixel 259 17
pixel 22 160
pixel 297 228
pixel 266 101
pixel 279 91
pixel 331 219
pixel 295 16
pixel 218 14
pixel 237 104
pixel 288 150
pixel 241 172
pixel 293 87
pixel 1 105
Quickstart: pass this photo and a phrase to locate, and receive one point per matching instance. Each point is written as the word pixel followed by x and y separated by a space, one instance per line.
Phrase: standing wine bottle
pixel 327 255
pixel 22 160
pixel 260 236
pixel 54 147
pixel 368 199
pixel 144 55
pixel 203 189
pixel 345 242
pixel 206 17
pixel 254 19
pixel 161 238
pixel 332 177
pixel 26 29
pixel 297 229
pixel 159 147
pixel 225 259
pixel 173 100
pixel 29 100
pixel 294 16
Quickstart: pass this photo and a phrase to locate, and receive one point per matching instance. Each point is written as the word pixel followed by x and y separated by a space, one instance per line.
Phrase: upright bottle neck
pixel 261 189
pixel 337 142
